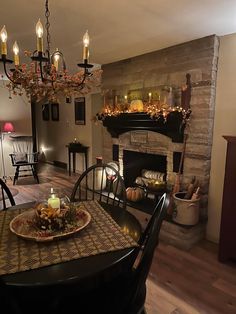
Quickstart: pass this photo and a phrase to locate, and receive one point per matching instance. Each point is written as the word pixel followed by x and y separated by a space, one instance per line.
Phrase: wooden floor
pixel 180 282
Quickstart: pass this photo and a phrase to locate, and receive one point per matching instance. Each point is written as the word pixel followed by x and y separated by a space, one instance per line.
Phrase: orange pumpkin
pixel 134 194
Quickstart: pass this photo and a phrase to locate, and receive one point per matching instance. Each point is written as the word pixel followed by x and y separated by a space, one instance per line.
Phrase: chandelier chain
pixel 47 26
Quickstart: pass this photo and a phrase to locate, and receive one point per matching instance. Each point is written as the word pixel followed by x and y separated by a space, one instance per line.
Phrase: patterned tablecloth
pixel 101 235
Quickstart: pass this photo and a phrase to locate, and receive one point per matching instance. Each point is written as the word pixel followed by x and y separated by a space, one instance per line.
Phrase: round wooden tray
pixel 23 226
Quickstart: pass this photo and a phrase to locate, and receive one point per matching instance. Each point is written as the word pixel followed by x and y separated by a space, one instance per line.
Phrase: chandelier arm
pixel 84 77
pixel 7 75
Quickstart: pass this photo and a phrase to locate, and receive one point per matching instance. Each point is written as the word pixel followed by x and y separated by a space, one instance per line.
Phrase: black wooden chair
pixel 126 293
pixel 23 159
pixel 100 182
pixel 6 196
pixel 24 163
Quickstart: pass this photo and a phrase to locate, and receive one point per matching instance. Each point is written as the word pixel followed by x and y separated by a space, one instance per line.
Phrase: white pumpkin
pixel 136 105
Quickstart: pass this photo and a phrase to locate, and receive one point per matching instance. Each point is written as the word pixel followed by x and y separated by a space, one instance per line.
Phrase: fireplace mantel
pixel 173 127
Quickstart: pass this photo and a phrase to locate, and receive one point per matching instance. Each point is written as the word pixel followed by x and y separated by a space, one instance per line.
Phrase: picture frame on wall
pixel 45 112
pixel 55 111
pixel 80 111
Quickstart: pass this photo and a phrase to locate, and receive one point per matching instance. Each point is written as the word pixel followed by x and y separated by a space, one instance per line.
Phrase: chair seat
pixel 23 163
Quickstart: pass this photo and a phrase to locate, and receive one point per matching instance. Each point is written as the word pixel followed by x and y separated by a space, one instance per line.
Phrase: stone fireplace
pixel 169 67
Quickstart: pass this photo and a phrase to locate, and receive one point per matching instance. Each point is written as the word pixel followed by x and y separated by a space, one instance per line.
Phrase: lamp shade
pixel 8 127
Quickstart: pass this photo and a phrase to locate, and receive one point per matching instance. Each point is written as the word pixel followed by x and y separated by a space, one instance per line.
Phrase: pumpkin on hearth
pixel 134 194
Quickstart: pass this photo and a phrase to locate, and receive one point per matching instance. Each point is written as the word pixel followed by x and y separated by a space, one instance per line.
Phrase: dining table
pixel 103 249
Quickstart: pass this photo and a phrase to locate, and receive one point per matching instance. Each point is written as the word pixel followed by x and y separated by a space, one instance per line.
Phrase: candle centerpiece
pixel 55 213
pixel 53 200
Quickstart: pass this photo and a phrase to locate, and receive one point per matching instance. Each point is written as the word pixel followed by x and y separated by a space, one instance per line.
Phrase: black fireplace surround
pixel 173 127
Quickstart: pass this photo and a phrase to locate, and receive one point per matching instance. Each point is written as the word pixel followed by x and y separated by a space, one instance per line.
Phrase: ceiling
pixel 118 29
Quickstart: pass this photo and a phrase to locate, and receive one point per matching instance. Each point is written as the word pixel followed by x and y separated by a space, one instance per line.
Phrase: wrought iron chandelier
pixel 46 77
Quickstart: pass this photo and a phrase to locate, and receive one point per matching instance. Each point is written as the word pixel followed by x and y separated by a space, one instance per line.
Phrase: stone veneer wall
pixel 169 67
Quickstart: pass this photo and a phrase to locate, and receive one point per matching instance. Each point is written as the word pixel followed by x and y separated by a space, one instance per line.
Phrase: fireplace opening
pixel 134 162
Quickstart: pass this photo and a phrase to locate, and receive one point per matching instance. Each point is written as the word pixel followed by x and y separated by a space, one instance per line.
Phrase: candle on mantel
pixel 149 97
pixel 54 201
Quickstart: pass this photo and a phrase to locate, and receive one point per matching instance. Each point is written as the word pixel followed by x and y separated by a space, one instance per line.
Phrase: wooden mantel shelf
pixel 173 127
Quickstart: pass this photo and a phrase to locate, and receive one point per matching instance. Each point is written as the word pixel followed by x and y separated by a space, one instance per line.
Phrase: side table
pixel 74 148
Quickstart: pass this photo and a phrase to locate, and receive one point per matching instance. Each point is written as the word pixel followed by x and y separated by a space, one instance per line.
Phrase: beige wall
pixel 224 124
pixel 55 135
pixel 18 111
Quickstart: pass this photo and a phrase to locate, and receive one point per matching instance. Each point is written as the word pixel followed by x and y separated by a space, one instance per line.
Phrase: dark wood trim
pixel 230 138
pixel 60 164
pixel 173 127
pixel 33 122
pixel 227 244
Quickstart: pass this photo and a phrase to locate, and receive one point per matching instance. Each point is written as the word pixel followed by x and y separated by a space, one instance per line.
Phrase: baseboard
pixel 60 164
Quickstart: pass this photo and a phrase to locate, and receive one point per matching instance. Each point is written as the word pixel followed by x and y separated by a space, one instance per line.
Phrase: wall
pixel 18 111
pixel 169 67
pixel 53 136
pixel 224 124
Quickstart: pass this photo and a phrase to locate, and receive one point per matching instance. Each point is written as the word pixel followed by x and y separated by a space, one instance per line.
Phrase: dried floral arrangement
pixel 27 79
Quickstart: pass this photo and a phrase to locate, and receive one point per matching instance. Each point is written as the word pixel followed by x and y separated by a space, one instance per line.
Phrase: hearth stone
pixel 179 236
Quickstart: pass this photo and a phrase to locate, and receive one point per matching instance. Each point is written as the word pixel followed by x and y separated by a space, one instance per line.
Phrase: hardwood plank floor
pixel 180 282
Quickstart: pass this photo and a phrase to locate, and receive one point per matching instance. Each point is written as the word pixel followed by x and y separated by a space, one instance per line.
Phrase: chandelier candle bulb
pixel 16 54
pixel 85 53
pixel 86 44
pixel 56 60
pixel 3 35
pixel 39 33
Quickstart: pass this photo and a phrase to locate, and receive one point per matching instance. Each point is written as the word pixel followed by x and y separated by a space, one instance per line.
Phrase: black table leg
pixel 69 163
pixel 74 162
pixel 86 160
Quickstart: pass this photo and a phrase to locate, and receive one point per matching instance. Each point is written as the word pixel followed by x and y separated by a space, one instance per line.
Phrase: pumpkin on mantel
pixel 134 194
pixel 136 105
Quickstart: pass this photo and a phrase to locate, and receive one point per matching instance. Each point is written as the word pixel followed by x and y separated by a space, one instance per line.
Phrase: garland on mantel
pixel 154 109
